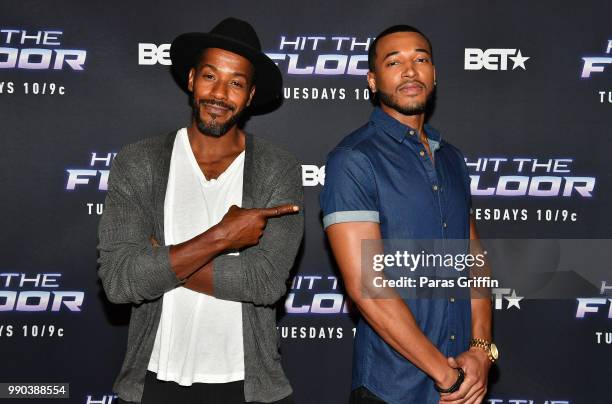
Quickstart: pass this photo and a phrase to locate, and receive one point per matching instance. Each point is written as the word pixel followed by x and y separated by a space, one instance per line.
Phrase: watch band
pixel 455 386
pixel 484 345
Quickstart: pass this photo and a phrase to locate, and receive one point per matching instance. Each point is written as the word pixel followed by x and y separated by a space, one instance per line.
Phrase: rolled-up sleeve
pixel 349 194
pixel 130 268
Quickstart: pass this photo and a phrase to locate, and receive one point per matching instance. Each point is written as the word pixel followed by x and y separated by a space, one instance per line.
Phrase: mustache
pixel 217 103
pixel 412 82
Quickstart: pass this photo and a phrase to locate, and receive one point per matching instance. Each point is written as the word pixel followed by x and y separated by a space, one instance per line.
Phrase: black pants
pixel 361 395
pixel 162 392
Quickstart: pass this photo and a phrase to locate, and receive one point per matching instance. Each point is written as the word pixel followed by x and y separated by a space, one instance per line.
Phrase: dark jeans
pixel 162 392
pixel 361 395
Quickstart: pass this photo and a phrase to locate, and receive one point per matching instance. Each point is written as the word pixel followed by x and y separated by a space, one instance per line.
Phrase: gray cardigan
pixel 132 271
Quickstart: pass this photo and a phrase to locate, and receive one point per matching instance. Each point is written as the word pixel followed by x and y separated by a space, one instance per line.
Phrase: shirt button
pixel 411 133
pixel 452 337
pixel 435 187
pixel 452 300
pixel 422 153
pixel 444 225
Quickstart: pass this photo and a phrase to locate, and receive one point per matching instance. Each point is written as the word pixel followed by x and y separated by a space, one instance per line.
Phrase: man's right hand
pixel 473 389
pixel 244 227
pixel 449 378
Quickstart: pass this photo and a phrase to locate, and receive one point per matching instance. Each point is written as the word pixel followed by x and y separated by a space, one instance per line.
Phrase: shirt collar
pixel 400 132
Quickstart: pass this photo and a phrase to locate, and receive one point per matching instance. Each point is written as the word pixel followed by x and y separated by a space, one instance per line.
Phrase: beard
pixel 214 128
pixel 414 108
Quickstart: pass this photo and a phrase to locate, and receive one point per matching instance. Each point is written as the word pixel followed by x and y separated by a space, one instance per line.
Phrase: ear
pixel 251 95
pixel 434 75
pixel 190 79
pixel 371 77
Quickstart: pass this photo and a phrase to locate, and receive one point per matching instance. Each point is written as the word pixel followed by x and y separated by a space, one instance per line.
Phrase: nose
pixel 409 70
pixel 219 90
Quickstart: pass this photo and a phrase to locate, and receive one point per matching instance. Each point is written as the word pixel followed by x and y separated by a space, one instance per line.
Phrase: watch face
pixel 494 352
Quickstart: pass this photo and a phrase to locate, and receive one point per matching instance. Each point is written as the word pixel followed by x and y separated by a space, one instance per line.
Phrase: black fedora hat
pixel 235 36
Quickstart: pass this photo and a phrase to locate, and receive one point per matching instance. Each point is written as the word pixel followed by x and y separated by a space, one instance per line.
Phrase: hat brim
pixel 186 48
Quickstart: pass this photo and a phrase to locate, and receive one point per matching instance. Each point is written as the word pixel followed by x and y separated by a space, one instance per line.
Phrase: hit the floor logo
pixel 322 55
pixel 38 50
pixel 37 292
pixel 96 174
pixel 598 308
pixel 590 306
pixel 594 67
pixel 596 64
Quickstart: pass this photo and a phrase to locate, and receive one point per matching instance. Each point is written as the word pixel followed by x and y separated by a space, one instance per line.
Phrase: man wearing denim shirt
pixel 396 178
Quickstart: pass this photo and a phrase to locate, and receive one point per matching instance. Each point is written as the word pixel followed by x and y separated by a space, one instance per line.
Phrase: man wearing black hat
pixel 202 273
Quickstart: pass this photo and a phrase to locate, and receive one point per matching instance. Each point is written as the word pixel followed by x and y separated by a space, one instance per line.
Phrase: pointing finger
pixel 278 210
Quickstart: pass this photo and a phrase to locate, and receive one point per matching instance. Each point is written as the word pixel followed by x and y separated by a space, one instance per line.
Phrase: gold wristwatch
pixel 489 347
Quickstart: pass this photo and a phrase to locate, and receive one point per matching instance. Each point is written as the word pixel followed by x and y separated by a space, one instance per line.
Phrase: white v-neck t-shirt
pixel 199 338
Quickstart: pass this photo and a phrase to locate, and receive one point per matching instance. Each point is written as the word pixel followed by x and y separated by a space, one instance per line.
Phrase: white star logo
pixel 513 300
pixel 519 60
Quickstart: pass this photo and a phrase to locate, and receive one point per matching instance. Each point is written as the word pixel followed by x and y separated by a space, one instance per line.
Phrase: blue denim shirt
pixel 382 173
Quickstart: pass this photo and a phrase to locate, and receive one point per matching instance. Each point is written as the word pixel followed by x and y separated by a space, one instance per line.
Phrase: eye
pixel 422 59
pixel 208 76
pixel 237 84
pixel 392 63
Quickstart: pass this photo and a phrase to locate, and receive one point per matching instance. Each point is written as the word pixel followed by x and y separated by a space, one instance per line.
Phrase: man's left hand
pixel 476 364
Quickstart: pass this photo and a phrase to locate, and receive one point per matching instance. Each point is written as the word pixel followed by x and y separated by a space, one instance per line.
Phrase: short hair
pixel 389 31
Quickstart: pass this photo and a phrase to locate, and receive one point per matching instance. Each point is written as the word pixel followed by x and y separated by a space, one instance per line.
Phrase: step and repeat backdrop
pixel 524 89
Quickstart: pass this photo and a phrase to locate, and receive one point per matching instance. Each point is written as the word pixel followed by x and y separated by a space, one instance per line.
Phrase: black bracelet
pixel 455 386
